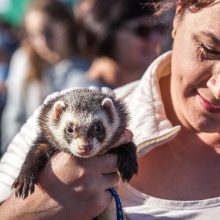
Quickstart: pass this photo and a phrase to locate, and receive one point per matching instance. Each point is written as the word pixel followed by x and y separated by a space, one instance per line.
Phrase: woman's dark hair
pixel 59 12
pixel 99 24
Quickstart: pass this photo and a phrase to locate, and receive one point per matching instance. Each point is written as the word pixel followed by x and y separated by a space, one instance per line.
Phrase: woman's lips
pixel 209 106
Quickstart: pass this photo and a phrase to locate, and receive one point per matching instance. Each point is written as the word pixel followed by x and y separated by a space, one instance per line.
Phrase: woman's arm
pixel 14 157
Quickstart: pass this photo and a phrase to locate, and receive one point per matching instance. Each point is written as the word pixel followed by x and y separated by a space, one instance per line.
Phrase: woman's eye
pixel 209 51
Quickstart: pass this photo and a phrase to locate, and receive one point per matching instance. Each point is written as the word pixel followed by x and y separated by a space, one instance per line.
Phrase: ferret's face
pixel 83 134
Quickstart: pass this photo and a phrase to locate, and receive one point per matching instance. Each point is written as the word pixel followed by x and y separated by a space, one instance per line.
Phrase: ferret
pixel 84 123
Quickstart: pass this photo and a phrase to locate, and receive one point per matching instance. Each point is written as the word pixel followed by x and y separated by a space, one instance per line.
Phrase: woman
pixel 176 131
pixel 48 61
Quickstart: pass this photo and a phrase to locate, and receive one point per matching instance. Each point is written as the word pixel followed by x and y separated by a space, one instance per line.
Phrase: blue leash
pixel 118 204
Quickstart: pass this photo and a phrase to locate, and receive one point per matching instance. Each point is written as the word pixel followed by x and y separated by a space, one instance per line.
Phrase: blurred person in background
pixel 8 44
pixel 47 61
pixel 122 41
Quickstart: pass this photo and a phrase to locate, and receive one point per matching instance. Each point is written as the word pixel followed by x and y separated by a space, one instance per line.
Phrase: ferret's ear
pixel 109 106
pixel 107 102
pixel 58 109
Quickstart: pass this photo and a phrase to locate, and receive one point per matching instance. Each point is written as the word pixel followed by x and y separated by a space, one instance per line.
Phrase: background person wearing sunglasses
pixel 122 38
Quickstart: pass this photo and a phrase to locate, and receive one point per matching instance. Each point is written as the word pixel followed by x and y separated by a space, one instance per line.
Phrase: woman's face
pixel 137 43
pixel 195 79
pixel 47 37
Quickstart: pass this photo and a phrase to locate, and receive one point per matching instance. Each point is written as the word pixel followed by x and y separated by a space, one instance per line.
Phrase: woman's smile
pixel 208 106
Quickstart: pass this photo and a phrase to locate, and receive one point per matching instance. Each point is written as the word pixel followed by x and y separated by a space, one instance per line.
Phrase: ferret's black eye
pixel 98 128
pixel 69 130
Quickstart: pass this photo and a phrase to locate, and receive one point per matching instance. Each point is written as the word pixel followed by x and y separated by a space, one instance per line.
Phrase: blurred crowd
pixel 90 43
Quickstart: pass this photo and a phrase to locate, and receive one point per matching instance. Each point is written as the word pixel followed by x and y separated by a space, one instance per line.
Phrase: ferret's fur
pixel 84 123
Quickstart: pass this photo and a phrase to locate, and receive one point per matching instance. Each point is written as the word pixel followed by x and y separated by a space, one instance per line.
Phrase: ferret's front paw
pixel 24 185
pixel 128 170
pixel 128 165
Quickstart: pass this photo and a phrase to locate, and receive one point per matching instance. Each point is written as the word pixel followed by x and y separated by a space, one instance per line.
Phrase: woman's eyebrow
pixel 212 36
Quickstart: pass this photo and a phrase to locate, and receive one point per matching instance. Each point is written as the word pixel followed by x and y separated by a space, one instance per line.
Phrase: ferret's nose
pixel 85 148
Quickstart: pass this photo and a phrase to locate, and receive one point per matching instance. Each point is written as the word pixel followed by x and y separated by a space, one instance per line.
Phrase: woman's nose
pixel 214 85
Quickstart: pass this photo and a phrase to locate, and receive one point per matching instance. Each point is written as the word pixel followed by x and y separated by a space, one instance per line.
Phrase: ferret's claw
pixel 24 186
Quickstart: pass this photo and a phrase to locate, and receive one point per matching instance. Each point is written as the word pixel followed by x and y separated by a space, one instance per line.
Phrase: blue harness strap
pixel 119 211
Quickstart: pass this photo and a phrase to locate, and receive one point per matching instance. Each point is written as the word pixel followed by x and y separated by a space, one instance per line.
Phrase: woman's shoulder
pixel 125 91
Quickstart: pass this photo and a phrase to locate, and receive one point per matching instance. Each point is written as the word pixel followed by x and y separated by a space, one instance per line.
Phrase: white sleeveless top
pixel 139 206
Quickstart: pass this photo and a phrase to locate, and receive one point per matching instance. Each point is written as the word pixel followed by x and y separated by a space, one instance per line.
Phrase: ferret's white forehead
pixel 69 117
pixel 83 118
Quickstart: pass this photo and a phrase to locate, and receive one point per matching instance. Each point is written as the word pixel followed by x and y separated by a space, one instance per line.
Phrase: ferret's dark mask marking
pixel 97 131
pixel 69 132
